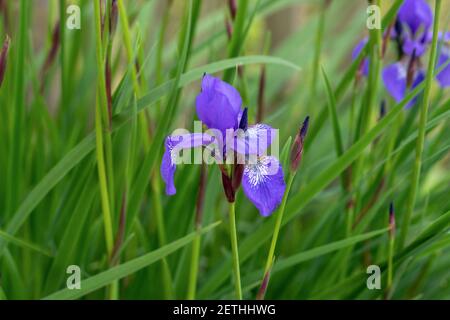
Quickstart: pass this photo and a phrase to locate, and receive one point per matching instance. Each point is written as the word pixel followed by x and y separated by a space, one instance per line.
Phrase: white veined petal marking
pixel 258 172
pixel 253 132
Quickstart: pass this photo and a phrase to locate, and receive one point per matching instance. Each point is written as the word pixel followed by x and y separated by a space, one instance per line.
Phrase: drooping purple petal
pixel 394 79
pixel 218 104
pixel 263 184
pixel 416 14
pixel 173 146
pixel 255 140
pixel 355 53
pixel 444 57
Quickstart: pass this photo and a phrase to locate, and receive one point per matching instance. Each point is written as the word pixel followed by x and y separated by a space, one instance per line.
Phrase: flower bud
pixel 297 148
pixel 228 187
pixel 243 124
pixel 233 8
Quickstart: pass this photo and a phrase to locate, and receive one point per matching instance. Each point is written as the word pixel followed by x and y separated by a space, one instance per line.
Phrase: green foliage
pixel 335 220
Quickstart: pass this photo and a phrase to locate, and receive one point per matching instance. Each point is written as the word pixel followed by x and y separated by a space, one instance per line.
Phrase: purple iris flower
pixel 219 107
pixel 396 82
pixel 444 76
pixel 415 18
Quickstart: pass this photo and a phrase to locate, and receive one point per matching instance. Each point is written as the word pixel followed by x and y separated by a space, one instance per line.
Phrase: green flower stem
pixel 128 47
pixel 236 42
pixel 103 184
pixel 276 230
pixel 318 49
pixel 161 230
pixel 415 177
pixel 18 114
pixel 235 252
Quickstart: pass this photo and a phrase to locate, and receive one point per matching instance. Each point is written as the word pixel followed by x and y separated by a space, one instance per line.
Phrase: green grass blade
pixel 24 244
pixel 118 272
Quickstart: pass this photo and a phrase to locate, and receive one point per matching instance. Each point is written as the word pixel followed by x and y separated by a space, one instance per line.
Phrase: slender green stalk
pixel 16 152
pixel 277 227
pixel 159 53
pixel 415 177
pixel 195 254
pixel 62 54
pixel 235 251
pixel 161 229
pixel 332 110
pixel 102 179
pixel 236 42
pixel 101 123
pixel 318 49
pixel 128 47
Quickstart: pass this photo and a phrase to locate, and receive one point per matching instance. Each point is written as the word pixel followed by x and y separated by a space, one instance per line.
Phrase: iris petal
pixel 394 79
pixel 416 18
pixel 444 76
pixel 218 104
pixel 255 140
pixel 263 184
pixel 173 145
pixel 416 14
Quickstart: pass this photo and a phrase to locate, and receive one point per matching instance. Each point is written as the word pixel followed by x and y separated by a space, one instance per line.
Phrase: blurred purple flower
pixel 415 18
pixel 444 57
pixel 395 78
pixel 219 107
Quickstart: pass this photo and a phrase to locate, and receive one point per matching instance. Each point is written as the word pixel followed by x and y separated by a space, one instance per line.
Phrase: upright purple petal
pixel 255 140
pixel 415 18
pixel 444 57
pixel 416 14
pixel 218 104
pixel 263 184
pixel 173 145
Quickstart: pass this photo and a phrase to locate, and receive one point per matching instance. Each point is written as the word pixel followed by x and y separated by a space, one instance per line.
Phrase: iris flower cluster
pixel 219 106
pixel 412 32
